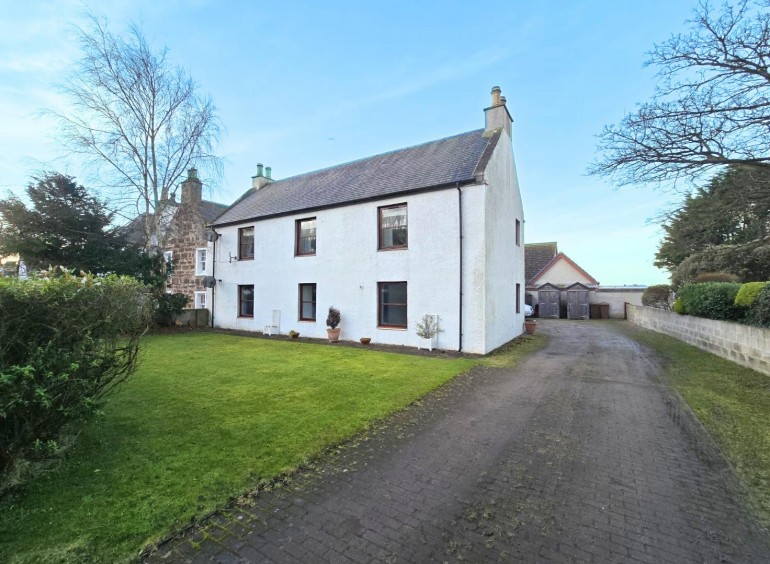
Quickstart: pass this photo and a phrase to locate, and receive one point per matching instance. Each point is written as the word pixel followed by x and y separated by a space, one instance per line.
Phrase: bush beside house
pixel 65 342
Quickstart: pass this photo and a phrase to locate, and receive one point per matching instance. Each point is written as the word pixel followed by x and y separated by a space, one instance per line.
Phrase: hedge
pixel 713 300
pixel 759 312
pixel 748 293
pixel 65 342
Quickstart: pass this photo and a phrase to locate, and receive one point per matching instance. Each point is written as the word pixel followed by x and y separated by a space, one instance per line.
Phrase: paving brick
pixel 579 454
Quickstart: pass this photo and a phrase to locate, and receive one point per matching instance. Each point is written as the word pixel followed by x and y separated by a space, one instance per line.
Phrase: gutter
pixel 460 219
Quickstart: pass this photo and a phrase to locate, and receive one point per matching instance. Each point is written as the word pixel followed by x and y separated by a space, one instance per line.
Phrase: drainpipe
pixel 460 218
pixel 213 275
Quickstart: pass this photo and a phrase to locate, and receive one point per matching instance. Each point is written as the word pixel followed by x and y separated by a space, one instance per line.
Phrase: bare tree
pixel 710 108
pixel 140 120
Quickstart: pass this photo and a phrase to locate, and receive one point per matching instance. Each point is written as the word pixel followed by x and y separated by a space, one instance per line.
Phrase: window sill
pixel 306 321
pixel 389 328
pixel 245 317
pixel 244 258
pixel 304 255
pixel 393 249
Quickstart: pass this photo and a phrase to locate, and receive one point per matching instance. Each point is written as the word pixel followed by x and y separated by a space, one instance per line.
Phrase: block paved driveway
pixel 579 454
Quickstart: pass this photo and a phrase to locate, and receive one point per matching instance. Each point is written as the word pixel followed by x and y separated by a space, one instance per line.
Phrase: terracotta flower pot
pixel 365 340
pixel 333 334
pixel 530 325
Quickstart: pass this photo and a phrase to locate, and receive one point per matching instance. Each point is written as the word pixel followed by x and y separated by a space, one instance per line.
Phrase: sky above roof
pixel 303 86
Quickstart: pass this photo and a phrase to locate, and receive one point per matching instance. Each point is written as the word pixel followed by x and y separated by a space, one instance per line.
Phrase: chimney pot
pixel 268 172
pixel 496 95
pixel 259 169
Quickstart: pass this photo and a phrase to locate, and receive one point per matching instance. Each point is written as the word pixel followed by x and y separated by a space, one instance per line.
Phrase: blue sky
pixel 301 86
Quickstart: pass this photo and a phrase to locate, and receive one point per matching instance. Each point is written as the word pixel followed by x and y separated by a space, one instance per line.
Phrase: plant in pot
pixel 365 340
pixel 293 334
pixel 530 325
pixel 332 320
pixel 427 331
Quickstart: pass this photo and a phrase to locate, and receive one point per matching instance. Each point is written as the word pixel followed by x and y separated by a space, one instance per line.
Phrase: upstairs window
pixel 305 237
pixel 307 302
pixel 246 243
pixel 246 301
pixel 200 261
pixel 392 227
pixel 391 297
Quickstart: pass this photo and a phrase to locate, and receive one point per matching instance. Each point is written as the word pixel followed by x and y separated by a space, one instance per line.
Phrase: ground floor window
pixel 518 298
pixel 391 306
pixel 246 301
pixel 200 300
pixel 307 302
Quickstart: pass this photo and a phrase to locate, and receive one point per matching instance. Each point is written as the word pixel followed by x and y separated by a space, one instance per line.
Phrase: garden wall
pixel 742 344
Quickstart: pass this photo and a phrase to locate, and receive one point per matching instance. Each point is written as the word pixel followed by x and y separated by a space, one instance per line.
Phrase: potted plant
pixel 332 320
pixel 427 331
pixel 365 340
pixel 530 325
pixel 293 334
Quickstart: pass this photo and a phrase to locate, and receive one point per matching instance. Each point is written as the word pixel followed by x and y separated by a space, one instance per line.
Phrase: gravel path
pixel 578 454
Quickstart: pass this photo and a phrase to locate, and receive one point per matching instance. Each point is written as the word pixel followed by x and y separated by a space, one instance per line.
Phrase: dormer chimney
pixel 262 178
pixel 191 187
pixel 496 115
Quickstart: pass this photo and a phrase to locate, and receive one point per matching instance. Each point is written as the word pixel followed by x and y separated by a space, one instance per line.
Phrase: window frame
pixel 297 238
pixel 380 246
pixel 518 298
pixel 380 304
pixel 241 287
pixel 242 256
pixel 518 233
pixel 196 301
pixel 302 302
pixel 200 266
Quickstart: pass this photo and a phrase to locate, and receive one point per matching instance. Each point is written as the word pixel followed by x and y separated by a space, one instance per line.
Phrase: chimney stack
pixel 497 115
pixel 262 178
pixel 191 187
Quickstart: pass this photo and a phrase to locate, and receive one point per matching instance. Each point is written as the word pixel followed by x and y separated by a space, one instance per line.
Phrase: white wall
pixel 504 259
pixel 562 274
pixel 347 267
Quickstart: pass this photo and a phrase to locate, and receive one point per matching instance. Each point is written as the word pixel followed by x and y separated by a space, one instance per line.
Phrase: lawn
pixel 732 402
pixel 206 417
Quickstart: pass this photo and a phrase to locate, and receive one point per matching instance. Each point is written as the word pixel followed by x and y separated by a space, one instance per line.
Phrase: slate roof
pixel 536 257
pixel 134 229
pixel 431 165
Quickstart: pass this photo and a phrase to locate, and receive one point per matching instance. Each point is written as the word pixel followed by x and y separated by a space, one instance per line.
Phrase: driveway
pixel 580 454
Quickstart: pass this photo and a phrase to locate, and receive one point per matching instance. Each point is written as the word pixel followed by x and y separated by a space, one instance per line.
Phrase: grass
pixel 732 402
pixel 206 417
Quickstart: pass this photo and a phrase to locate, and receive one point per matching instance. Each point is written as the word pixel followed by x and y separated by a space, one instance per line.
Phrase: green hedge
pixel 713 300
pixel 748 293
pixel 759 312
pixel 657 296
pixel 65 341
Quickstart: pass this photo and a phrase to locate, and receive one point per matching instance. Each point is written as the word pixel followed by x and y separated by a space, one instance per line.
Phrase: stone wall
pixel 186 234
pixel 742 344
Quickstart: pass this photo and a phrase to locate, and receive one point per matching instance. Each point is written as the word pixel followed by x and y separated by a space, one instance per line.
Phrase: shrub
pixel 759 313
pixel 657 296
pixel 715 277
pixel 713 300
pixel 748 293
pixel 334 317
pixel 168 306
pixel 65 342
pixel 679 307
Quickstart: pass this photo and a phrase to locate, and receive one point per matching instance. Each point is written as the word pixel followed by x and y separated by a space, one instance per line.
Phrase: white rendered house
pixel 432 229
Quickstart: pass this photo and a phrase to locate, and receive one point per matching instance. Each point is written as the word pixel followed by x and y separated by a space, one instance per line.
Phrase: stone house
pixel 185 238
pixel 434 229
